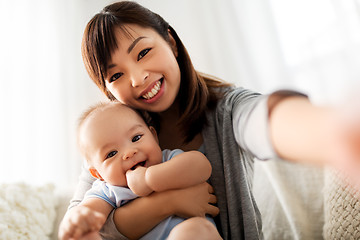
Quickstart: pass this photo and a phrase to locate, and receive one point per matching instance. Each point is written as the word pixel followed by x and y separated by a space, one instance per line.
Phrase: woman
pixel 135 57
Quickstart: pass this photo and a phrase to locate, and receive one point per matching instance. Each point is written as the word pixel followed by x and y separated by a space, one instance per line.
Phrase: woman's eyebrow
pixel 131 47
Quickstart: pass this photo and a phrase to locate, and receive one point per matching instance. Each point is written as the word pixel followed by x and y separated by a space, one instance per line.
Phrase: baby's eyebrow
pixel 135 127
pixel 132 45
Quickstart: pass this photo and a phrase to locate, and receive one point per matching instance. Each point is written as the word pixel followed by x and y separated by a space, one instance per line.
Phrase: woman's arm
pixel 182 171
pixel 84 184
pixel 301 131
pixel 321 135
pixel 286 124
pixel 141 215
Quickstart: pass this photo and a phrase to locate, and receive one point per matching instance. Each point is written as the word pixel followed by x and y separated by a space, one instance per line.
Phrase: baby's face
pixel 117 139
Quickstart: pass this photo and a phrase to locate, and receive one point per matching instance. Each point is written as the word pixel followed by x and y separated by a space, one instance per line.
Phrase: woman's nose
pixel 139 78
pixel 129 154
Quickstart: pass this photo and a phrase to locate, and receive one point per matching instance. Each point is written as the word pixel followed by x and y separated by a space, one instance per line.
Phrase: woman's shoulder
pixel 236 94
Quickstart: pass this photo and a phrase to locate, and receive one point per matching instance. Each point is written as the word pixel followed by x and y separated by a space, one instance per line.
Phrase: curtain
pixel 43 89
pixel 259 44
pixel 321 44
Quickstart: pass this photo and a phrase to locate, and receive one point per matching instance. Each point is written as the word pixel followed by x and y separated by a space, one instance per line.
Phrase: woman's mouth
pixel 153 91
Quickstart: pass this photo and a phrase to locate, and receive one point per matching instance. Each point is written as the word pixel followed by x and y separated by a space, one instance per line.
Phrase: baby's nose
pixel 129 154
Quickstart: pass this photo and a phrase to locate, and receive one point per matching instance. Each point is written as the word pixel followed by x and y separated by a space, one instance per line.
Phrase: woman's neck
pixel 171 135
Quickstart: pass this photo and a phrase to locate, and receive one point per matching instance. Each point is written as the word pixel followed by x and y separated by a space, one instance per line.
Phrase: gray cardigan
pixel 232 165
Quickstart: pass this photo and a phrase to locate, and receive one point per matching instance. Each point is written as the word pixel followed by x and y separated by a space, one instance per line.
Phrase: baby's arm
pixel 182 171
pixel 89 216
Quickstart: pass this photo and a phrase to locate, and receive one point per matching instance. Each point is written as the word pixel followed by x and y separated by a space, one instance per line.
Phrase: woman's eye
pixel 136 138
pixel 143 53
pixel 111 154
pixel 115 77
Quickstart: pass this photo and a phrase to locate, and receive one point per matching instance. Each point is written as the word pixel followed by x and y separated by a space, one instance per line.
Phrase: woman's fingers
pixel 212 199
pixel 211 189
pixel 212 210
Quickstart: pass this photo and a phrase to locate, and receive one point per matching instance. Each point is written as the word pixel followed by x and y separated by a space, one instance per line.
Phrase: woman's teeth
pixel 153 91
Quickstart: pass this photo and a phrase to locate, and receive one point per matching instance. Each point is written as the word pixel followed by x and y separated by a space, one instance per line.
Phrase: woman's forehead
pixel 133 31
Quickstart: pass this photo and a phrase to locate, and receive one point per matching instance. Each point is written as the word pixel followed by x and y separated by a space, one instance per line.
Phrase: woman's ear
pixel 95 173
pixel 173 44
pixel 153 131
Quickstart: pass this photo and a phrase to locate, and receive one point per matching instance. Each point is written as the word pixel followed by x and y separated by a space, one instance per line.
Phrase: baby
pixel 123 153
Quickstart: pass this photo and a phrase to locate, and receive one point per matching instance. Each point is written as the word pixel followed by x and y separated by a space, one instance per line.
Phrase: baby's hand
pixel 136 181
pixel 80 221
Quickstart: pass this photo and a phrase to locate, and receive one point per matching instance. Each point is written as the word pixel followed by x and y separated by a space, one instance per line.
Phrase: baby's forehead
pixel 117 111
pixel 110 119
pixel 114 107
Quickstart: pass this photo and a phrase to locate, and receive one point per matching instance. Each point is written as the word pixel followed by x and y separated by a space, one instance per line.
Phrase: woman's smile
pixel 144 72
pixel 154 92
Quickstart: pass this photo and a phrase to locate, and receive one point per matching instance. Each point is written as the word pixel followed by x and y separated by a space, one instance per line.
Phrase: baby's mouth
pixel 153 91
pixel 139 164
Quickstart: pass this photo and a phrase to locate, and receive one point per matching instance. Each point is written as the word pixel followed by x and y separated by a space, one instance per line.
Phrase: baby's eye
pixel 115 77
pixel 111 154
pixel 143 53
pixel 136 138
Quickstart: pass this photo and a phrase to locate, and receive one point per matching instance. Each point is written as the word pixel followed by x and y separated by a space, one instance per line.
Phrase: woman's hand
pixel 194 201
pixel 345 152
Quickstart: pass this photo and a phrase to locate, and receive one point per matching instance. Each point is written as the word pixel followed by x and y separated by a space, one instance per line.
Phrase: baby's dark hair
pixel 102 106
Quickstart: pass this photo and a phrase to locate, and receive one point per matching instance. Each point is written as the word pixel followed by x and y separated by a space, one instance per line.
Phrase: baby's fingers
pixel 79 222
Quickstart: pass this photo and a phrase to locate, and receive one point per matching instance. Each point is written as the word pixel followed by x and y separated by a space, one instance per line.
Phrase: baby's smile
pixel 139 164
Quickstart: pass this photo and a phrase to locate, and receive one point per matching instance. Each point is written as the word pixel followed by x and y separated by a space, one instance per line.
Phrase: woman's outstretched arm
pixel 301 131
pixel 321 135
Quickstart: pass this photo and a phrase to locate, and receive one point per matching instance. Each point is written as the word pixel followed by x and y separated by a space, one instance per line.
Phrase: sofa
pixel 30 212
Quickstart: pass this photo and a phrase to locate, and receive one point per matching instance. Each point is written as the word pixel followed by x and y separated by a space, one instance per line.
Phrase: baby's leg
pixel 194 228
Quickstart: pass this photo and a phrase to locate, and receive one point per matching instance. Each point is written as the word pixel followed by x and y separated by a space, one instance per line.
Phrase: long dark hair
pixel 197 92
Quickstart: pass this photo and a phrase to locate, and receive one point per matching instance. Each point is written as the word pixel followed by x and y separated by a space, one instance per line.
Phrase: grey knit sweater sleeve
pixel 232 164
pixel 250 126
pixel 84 184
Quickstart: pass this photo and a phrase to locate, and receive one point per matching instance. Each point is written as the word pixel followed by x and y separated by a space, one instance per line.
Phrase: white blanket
pixel 26 211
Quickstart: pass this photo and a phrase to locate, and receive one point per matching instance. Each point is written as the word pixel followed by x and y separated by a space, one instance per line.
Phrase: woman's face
pixel 143 72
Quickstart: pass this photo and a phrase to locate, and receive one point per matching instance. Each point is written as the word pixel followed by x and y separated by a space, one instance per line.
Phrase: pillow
pixel 26 211
pixel 342 208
